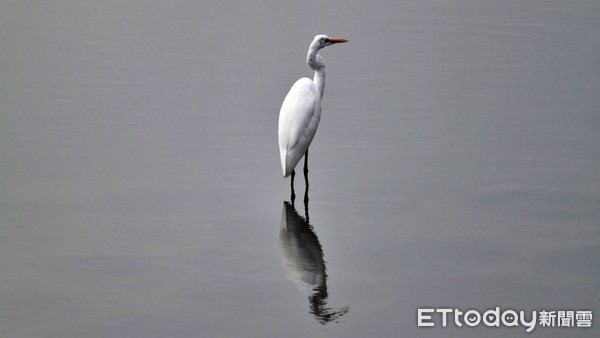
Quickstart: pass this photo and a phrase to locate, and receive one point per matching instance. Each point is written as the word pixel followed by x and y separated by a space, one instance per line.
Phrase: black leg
pixel 306 205
pixel 306 163
pixel 306 181
pixel 293 197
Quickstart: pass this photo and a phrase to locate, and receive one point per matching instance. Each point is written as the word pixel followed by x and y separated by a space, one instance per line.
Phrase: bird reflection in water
pixel 303 256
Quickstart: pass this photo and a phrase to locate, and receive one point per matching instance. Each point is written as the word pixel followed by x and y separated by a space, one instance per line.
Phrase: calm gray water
pixel 456 165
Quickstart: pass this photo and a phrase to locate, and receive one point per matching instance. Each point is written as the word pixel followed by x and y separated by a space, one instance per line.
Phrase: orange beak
pixel 337 40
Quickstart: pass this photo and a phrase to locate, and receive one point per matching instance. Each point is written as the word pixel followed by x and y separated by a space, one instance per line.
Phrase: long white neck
pixel 317 63
pixel 319 80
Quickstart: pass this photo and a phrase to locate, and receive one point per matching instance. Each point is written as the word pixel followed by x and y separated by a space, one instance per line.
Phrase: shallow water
pixel 456 165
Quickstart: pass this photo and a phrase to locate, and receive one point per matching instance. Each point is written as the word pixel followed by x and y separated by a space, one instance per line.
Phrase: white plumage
pixel 298 121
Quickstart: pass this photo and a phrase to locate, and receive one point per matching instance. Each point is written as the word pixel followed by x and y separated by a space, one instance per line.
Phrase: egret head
pixel 314 60
pixel 321 41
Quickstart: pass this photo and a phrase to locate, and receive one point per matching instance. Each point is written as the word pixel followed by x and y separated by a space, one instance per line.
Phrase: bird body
pixel 298 121
pixel 301 110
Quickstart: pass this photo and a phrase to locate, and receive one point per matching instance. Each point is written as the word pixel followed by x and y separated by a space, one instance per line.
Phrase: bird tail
pixel 283 154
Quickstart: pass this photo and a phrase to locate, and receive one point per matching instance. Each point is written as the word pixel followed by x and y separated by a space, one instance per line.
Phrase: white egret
pixel 301 111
